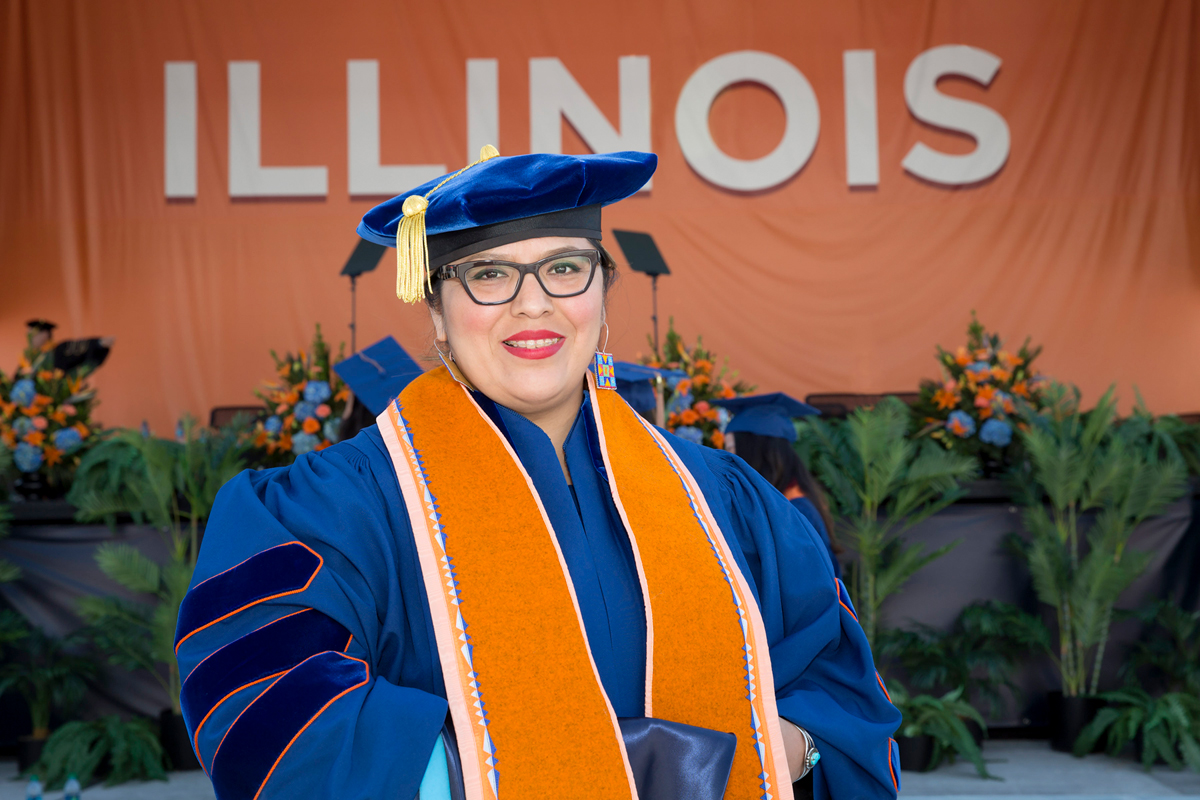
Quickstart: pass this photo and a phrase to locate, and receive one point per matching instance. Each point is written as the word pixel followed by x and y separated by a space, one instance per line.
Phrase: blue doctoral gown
pixel 813 515
pixel 376 721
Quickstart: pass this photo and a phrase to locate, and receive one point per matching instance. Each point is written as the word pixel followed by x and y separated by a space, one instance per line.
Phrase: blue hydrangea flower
pixel 979 368
pixel 960 424
pixel 179 431
pixel 27 457
pixel 304 443
pixel 680 402
pixel 691 433
pixel 723 417
pixel 23 392
pixel 23 425
pixel 67 439
pixel 273 425
pixel 996 432
pixel 317 392
pixel 331 429
pixel 305 409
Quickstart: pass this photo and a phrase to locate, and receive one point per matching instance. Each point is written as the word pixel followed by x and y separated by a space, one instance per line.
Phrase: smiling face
pixel 529 355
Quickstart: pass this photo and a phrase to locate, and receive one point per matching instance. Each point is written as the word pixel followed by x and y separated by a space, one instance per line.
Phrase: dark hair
pixel 608 272
pixel 776 460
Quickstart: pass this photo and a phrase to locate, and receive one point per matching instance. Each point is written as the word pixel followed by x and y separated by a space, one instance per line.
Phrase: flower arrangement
pixel 973 408
pixel 303 407
pixel 690 413
pixel 45 421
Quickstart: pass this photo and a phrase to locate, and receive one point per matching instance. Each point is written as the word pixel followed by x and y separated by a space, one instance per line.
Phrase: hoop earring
pixel 606 370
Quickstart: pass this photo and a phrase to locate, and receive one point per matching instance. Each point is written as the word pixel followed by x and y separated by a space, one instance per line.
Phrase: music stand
pixel 365 258
pixel 643 256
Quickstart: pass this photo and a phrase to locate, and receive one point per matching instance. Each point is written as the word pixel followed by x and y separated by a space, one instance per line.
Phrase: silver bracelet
pixel 811 756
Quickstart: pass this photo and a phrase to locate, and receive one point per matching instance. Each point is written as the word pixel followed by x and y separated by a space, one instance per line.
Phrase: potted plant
pixel 47 672
pixel 880 484
pixel 110 748
pixel 934 730
pixel 980 653
pixel 1170 650
pixel 1079 464
pixel 172 486
pixel 1166 727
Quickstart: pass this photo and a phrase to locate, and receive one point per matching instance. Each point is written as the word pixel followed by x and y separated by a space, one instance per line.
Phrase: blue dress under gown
pixel 374 740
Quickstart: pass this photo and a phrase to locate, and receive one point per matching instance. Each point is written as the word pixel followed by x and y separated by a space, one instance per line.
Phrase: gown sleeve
pixel 303 668
pixel 825 678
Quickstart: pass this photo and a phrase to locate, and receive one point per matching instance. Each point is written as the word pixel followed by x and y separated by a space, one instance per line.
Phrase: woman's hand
pixel 795 746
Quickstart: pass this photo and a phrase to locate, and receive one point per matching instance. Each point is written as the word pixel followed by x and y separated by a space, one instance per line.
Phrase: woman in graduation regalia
pixel 514 574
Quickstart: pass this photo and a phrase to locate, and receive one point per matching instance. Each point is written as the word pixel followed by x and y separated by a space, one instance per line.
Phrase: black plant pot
pixel 175 741
pixel 34 487
pixel 975 730
pixel 29 750
pixel 915 752
pixel 1068 717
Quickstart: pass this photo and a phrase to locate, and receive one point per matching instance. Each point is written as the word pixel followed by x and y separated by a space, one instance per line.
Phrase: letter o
pixel 801 114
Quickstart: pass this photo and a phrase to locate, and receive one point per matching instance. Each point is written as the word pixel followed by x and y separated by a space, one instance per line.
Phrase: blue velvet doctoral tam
pixel 314 673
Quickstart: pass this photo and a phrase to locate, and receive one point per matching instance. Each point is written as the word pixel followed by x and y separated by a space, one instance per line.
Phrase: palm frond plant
pixel 1167 727
pixel 980 653
pixel 880 484
pixel 944 720
pixel 171 485
pixel 1079 466
pixel 110 748
pixel 1170 651
pixel 48 672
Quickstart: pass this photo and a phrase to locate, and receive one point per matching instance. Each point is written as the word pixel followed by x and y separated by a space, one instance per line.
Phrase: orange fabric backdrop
pixel 1088 239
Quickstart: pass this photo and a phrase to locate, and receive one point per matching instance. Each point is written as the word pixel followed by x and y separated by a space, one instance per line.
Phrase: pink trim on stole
pixel 766 678
pixel 470 747
pixel 637 556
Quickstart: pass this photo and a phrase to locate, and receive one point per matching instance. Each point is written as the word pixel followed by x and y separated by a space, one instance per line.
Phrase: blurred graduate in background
pixel 762 435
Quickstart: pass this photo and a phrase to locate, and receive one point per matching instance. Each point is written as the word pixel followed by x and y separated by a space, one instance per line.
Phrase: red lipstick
pixel 534 344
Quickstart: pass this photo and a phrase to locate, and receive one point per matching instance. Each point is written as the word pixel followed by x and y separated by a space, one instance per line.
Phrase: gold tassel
pixel 413 279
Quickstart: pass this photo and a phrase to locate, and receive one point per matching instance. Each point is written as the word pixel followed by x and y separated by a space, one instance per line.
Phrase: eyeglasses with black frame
pixel 494 283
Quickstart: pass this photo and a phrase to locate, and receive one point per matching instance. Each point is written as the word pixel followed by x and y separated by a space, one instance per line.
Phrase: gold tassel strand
pixel 413 278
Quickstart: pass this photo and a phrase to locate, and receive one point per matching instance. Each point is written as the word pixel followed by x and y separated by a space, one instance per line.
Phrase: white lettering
pixel 927 104
pixel 555 94
pixel 180 151
pixel 483 105
pixel 367 175
pixel 802 126
pixel 247 176
pixel 862 123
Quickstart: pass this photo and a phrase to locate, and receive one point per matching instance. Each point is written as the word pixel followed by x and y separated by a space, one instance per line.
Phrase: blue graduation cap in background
pixel 634 384
pixel 499 200
pixel 765 414
pixel 378 373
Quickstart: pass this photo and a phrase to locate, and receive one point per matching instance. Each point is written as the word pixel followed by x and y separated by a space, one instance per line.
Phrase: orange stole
pixel 523 690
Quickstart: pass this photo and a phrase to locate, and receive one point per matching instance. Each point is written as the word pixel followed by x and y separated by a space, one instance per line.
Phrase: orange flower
pixel 1021 389
pixel 728 392
pixel 700 380
pixel 45 375
pixel 718 440
pixel 53 455
pixel 42 400
pixel 684 385
pixel 689 417
pixel 285 442
pixel 672 420
pixel 703 365
pixel 962 357
pixel 325 443
pixel 344 394
pixel 22 363
pixel 311 425
pixel 288 421
pixel 945 399
pixel 59 416
pixel 284 370
pixel 7 408
pixel 985 413
pixel 1008 405
pixel 35 438
pixel 9 437
pixel 1009 360
pixel 260 439
pixel 1001 374
pixel 957 427
pixel 984 397
pixel 83 430
pixel 292 397
pixel 982 355
pixel 711 415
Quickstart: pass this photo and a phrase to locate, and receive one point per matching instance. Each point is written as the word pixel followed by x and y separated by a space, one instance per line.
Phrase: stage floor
pixel 1029 768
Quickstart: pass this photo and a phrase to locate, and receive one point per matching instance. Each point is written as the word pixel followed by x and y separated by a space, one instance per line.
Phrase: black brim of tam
pixel 582 222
